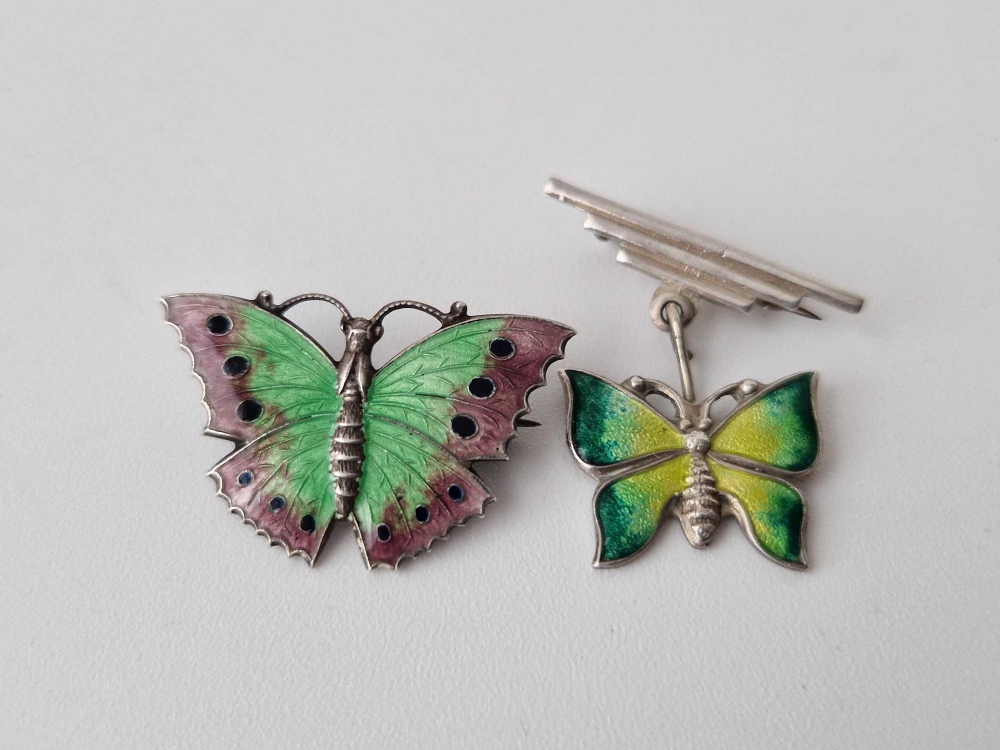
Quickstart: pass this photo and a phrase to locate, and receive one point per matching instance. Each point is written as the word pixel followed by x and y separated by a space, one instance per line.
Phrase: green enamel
pixel 778 428
pixel 405 485
pixel 776 511
pixel 298 458
pixel 279 405
pixel 288 374
pixel 609 425
pixel 628 510
pixel 436 368
pixel 397 463
pixel 415 456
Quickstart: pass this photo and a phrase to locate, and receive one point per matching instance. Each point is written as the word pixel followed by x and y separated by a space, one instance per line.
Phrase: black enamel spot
pixel 249 410
pixel 464 426
pixel 276 504
pixel 219 324
pixel 502 348
pixel 422 514
pixel 236 366
pixel 244 478
pixel 482 387
pixel 308 524
pixel 456 493
pixel 384 532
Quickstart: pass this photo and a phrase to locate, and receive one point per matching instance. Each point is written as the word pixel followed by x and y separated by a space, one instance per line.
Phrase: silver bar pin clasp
pixel 691 267
pixel 698 266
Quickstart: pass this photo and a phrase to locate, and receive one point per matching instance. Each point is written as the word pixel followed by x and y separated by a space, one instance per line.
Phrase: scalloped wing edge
pixel 237 510
pixel 239 444
pixel 543 374
pixel 206 430
pixel 425 548
pixel 569 333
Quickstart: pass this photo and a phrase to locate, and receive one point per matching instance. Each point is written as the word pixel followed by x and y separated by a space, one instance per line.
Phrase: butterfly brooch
pixel 649 465
pixel 694 466
pixel 389 449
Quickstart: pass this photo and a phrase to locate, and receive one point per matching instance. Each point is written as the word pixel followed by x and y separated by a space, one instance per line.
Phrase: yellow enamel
pixel 775 509
pixel 609 425
pixel 777 428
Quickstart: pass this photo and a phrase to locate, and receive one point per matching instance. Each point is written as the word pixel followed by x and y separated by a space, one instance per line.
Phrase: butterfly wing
pixel 271 390
pixel 412 491
pixel 774 433
pixel 628 509
pixel 770 511
pixel 448 400
pixel 637 452
pixel 609 425
pixel 465 386
pixel 281 484
pixel 775 429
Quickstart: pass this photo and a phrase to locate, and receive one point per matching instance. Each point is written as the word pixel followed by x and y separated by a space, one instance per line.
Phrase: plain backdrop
pixel 375 151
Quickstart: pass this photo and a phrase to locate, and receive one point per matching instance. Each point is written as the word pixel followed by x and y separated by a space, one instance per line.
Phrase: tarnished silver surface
pixel 698 265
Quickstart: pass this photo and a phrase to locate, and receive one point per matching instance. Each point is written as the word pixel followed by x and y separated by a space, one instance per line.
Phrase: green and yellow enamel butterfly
pixel 649 465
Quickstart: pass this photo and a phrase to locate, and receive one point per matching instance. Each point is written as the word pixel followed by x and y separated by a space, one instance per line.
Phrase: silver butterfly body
pixel 355 372
pixel 700 506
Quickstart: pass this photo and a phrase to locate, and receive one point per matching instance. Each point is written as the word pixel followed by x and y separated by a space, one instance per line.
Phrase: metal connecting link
pixel 673 313
pixel 671 310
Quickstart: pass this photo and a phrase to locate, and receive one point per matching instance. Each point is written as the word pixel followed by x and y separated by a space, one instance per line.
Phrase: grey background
pixel 375 152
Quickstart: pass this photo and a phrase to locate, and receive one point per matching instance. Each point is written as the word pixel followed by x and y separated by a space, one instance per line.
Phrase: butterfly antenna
pixel 266 301
pixel 456 313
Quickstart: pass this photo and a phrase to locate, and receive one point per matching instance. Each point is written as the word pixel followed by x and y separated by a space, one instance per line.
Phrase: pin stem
pixel 672 312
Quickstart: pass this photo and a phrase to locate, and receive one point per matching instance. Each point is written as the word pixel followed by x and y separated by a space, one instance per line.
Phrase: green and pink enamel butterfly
pixel 649 466
pixel 390 450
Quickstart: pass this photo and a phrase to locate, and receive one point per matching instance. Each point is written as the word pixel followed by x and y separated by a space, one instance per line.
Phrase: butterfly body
pixel 347 454
pixel 387 449
pixel 649 466
pixel 700 505
pixel 354 376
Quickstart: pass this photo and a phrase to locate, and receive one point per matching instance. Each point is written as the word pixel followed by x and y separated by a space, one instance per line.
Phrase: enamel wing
pixel 649 466
pixel 390 450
